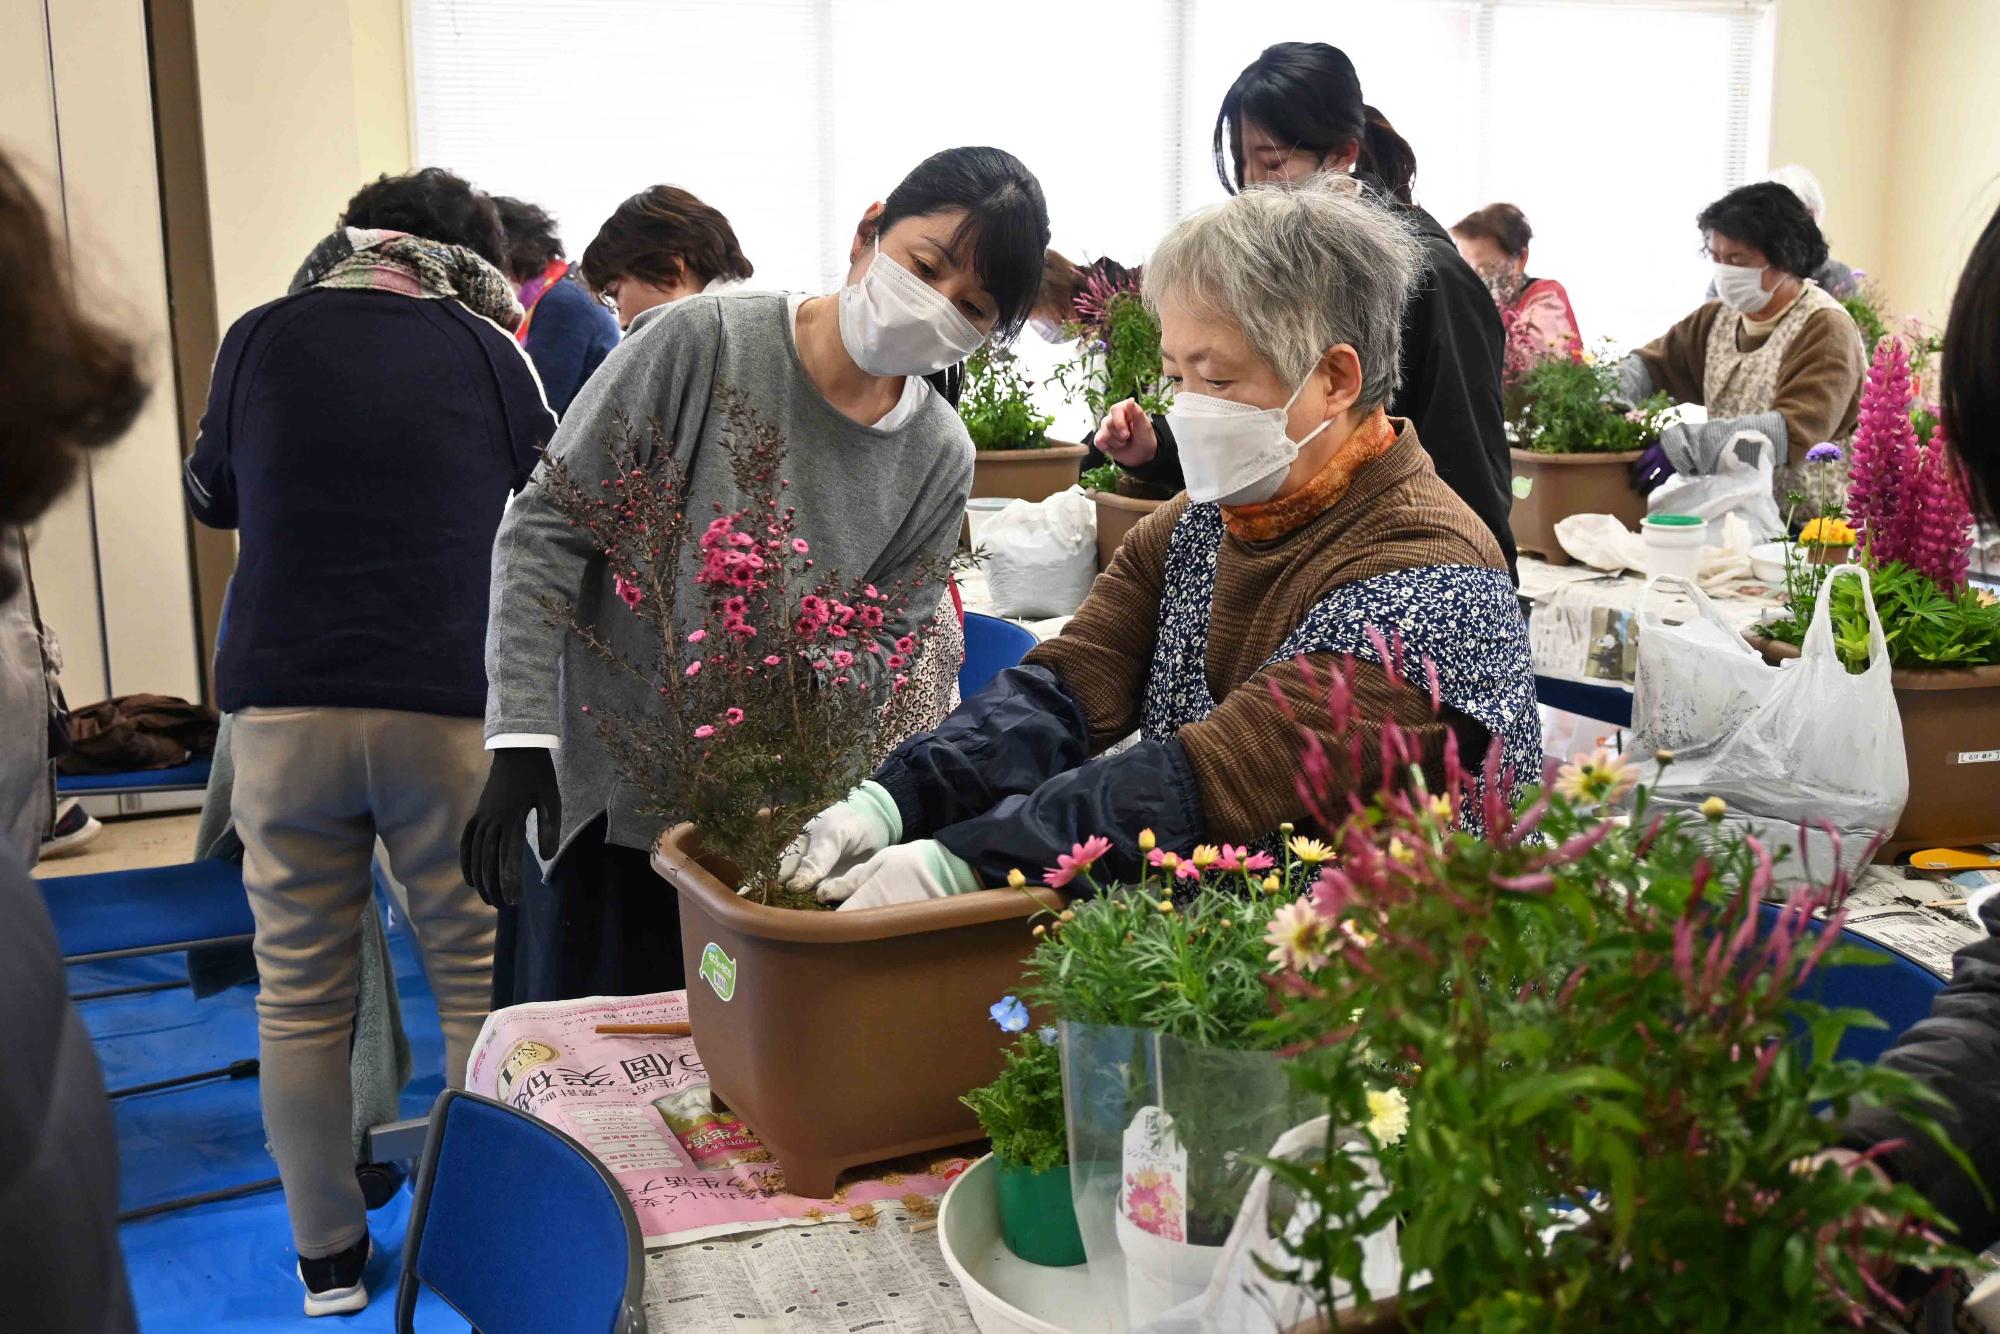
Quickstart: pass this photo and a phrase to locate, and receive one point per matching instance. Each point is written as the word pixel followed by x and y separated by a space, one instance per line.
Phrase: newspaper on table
pixel 1923 919
pixel 641 1104
pixel 836 1277
pixel 1586 625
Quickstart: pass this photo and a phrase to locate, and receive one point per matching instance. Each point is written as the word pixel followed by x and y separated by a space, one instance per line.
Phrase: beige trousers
pixel 314 788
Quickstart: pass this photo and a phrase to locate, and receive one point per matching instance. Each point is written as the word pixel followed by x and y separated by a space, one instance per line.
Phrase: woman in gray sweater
pixel 863 383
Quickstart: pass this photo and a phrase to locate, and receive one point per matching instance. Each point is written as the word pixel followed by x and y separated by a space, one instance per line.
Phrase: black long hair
pixel 1769 216
pixel 1307 94
pixel 1969 371
pixel 1006 220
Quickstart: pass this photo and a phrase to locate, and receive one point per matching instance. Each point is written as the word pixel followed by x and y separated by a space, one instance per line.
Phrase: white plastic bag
pixel 1743 483
pixel 1242 1297
pixel 1603 543
pixel 1041 556
pixel 1782 746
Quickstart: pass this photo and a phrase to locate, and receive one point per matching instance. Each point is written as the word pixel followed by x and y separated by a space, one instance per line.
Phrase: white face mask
pixel 894 323
pixel 1232 452
pixel 1741 288
pixel 1048 330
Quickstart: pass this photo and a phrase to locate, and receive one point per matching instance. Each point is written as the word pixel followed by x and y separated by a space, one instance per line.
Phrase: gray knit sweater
pixel 872 503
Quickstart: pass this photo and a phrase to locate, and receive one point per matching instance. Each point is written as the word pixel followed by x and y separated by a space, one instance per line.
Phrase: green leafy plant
pixel 1924 624
pixel 1022 1110
pixel 1104 477
pixel 1576 1055
pixel 1566 406
pixel 997 403
pixel 1117 357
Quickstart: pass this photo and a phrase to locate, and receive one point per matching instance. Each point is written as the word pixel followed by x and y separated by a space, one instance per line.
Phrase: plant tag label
pixel 1523 487
pixel 1154 1196
pixel 1978 757
pixel 718 970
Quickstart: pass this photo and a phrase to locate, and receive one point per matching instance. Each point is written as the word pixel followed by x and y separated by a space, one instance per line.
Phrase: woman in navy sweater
pixel 566 332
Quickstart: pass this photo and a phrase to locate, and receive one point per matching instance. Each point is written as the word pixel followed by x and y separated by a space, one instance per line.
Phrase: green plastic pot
pixel 1037 1220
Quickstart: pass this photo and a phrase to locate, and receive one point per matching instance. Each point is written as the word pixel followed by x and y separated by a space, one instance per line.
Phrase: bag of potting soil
pixel 1162 1138
pixel 1041 556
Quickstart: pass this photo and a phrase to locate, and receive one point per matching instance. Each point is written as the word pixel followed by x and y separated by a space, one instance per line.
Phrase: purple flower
pixel 1825 453
pixel 1010 1014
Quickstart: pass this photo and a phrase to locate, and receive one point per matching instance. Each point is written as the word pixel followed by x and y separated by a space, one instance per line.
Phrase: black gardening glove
pixel 523 779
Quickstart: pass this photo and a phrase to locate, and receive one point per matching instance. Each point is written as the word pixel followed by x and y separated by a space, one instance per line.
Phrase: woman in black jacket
pixel 1956 1051
pixel 1297 112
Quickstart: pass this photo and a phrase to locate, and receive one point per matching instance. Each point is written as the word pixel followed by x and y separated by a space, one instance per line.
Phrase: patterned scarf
pixel 1275 518
pixel 382 261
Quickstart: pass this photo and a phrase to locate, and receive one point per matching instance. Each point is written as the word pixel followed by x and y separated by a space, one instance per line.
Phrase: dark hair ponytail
pixel 1308 94
pixel 1969 371
pixel 1387 155
pixel 1006 220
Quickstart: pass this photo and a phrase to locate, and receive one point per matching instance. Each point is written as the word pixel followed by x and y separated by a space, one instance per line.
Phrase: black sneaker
pixel 333 1284
pixel 74 829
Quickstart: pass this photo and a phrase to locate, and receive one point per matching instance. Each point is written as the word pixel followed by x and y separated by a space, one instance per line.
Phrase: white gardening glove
pixel 907 873
pixel 851 830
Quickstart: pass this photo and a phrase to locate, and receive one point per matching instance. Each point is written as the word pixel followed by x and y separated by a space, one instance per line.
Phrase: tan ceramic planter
pixel 844 1038
pixel 1560 485
pixel 1115 516
pixel 1951 738
pixel 1026 474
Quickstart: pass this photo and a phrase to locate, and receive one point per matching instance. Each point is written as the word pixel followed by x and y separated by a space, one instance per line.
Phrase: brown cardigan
pixel 1395 514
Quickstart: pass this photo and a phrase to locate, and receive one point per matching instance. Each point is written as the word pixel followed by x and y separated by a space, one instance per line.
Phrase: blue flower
pixel 1010 1014
pixel 1047 1035
pixel 1827 453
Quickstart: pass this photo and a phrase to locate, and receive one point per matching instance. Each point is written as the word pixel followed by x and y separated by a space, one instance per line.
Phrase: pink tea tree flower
pixel 755 654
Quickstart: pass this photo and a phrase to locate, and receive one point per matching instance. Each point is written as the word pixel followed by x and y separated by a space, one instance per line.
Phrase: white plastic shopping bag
pixel 1742 482
pixel 1791 749
pixel 1041 556
pixel 1242 1297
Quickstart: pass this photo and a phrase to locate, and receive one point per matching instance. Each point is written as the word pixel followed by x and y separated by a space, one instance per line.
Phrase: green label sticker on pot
pixel 1522 487
pixel 718 970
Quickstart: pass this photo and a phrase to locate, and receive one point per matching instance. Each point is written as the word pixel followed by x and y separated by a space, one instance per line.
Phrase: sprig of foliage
pixel 1022 1110
pixel 997 405
pixel 1615 1100
pixel 1566 406
pixel 1117 357
pixel 769 675
pixel 1925 625
pixel 1104 477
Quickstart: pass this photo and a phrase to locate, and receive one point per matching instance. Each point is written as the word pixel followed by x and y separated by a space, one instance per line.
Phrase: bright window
pixel 1610 122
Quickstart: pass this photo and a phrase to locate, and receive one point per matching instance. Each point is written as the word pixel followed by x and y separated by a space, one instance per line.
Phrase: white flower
pixel 1388 1115
pixel 1297 937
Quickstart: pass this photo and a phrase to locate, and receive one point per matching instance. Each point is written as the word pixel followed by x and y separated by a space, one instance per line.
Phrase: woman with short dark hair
pixel 1494 241
pixel 660 245
pixel 1773 354
pixel 1297 112
pixel 566 333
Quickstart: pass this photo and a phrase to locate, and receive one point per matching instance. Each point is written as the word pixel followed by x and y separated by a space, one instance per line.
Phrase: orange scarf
pixel 1287 514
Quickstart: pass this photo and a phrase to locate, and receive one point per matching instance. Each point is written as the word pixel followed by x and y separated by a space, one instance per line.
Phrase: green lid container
pixel 1675 520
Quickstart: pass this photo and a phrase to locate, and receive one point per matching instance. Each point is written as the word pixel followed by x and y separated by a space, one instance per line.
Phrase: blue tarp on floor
pixel 228 1266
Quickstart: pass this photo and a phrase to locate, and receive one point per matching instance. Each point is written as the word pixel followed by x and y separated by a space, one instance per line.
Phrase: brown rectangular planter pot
pixel 1951 739
pixel 844 1038
pixel 1115 516
pixel 1564 484
pixel 1026 474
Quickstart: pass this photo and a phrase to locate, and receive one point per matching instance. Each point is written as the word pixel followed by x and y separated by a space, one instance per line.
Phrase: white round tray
pixel 1006 1293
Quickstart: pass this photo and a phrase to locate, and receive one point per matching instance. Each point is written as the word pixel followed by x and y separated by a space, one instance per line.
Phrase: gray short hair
pixel 1300 269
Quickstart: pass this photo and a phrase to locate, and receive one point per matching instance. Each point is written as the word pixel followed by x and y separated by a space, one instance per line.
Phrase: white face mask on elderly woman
pixel 894 323
pixel 1231 452
pixel 1741 288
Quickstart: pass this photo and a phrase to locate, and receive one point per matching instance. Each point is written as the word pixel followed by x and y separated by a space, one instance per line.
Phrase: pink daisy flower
pixel 1078 860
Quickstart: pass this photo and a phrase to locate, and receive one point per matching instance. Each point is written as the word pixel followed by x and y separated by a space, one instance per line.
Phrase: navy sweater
pixel 568 338
pixel 364 444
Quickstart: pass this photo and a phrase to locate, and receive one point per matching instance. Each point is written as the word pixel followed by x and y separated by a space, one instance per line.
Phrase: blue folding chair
pixel 1898 992
pixel 991 647
pixel 139 791
pixel 495 1187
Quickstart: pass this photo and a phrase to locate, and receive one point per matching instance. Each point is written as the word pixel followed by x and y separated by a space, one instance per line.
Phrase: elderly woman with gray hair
pixel 1311 518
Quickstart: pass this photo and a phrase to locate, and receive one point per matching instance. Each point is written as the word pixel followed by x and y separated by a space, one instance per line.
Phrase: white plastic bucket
pixel 1674 544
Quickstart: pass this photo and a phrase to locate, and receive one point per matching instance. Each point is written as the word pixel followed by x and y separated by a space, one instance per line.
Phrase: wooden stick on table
pixel 660 1030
